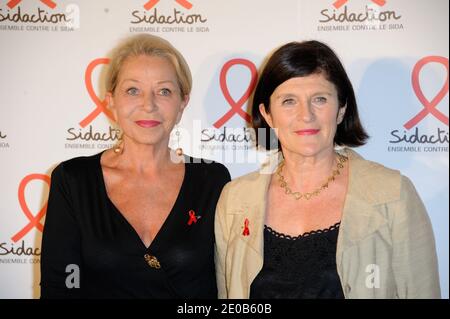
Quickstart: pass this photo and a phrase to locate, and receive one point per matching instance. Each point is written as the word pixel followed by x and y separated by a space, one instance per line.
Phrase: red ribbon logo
pixel 339 3
pixel 11 4
pixel 192 217
pixel 429 107
pixel 184 3
pixel 246 231
pixel 34 221
pixel 236 107
pixel 101 105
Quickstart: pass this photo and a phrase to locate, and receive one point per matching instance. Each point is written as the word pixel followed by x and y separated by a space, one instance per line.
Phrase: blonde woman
pixel 134 220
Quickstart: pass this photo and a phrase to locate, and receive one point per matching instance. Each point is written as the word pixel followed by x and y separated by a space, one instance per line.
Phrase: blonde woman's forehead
pixel 148 67
pixel 143 47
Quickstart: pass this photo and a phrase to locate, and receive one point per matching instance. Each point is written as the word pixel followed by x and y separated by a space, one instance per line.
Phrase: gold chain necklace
pixel 297 195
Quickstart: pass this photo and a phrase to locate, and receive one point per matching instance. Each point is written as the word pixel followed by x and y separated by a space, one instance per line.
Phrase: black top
pixel 84 229
pixel 302 267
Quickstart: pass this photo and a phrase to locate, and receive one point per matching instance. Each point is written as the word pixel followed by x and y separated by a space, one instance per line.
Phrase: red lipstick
pixel 307 132
pixel 147 123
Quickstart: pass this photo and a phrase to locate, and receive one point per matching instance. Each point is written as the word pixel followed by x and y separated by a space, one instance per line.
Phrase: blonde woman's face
pixel 147 101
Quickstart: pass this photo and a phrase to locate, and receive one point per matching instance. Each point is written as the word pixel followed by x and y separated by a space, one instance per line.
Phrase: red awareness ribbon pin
pixel 192 217
pixel 246 231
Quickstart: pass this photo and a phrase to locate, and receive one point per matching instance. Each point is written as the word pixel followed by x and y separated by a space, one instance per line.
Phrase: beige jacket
pixel 385 245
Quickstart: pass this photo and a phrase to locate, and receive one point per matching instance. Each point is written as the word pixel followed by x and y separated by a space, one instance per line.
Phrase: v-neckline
pixel 122 217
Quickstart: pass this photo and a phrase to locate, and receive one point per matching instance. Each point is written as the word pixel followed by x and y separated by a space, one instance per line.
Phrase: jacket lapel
pixel 250 256
pixel 253 206
pixel 361 216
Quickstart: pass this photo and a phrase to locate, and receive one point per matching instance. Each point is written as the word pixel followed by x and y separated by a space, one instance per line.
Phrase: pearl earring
pixel 118 149
pixel 179 150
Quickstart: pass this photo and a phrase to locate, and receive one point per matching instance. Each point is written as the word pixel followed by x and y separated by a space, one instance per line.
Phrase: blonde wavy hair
pixel 151 45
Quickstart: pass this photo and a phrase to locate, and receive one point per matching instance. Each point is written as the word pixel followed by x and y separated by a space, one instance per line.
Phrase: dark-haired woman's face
pixel 304 112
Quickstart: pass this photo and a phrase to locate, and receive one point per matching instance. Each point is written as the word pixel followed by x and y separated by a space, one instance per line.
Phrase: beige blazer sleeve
pixel 414 258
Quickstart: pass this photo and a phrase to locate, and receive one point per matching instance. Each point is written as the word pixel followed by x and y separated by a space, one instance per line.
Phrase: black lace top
pixel 302 267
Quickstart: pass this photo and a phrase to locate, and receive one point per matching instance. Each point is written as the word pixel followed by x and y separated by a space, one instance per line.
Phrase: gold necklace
pixel 297 195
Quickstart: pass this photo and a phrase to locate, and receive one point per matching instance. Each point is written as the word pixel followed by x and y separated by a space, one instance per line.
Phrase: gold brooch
pixel 152 261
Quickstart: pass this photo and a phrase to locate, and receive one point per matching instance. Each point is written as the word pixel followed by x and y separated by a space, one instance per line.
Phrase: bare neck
pixel 306 172
pixel 143 158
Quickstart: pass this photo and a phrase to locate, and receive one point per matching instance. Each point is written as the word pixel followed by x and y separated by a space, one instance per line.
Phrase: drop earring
pixel 179 150
pixel 118 149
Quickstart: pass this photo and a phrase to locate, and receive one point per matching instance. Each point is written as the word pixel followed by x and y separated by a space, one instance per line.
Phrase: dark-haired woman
pixel 322 222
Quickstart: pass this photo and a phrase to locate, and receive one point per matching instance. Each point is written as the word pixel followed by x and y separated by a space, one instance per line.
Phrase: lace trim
pixel 307 234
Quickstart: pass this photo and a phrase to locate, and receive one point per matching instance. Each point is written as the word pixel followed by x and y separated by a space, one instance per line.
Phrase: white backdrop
pixel 52 61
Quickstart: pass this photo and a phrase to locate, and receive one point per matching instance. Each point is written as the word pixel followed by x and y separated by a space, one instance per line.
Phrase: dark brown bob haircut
pixel 299 59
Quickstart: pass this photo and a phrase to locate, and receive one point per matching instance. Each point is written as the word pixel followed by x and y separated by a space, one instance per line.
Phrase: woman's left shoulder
pixel 208 168
pixel 375 178
pixel 370 168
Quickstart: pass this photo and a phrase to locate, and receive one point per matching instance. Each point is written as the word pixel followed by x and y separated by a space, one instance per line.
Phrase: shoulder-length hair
pixel 299 59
